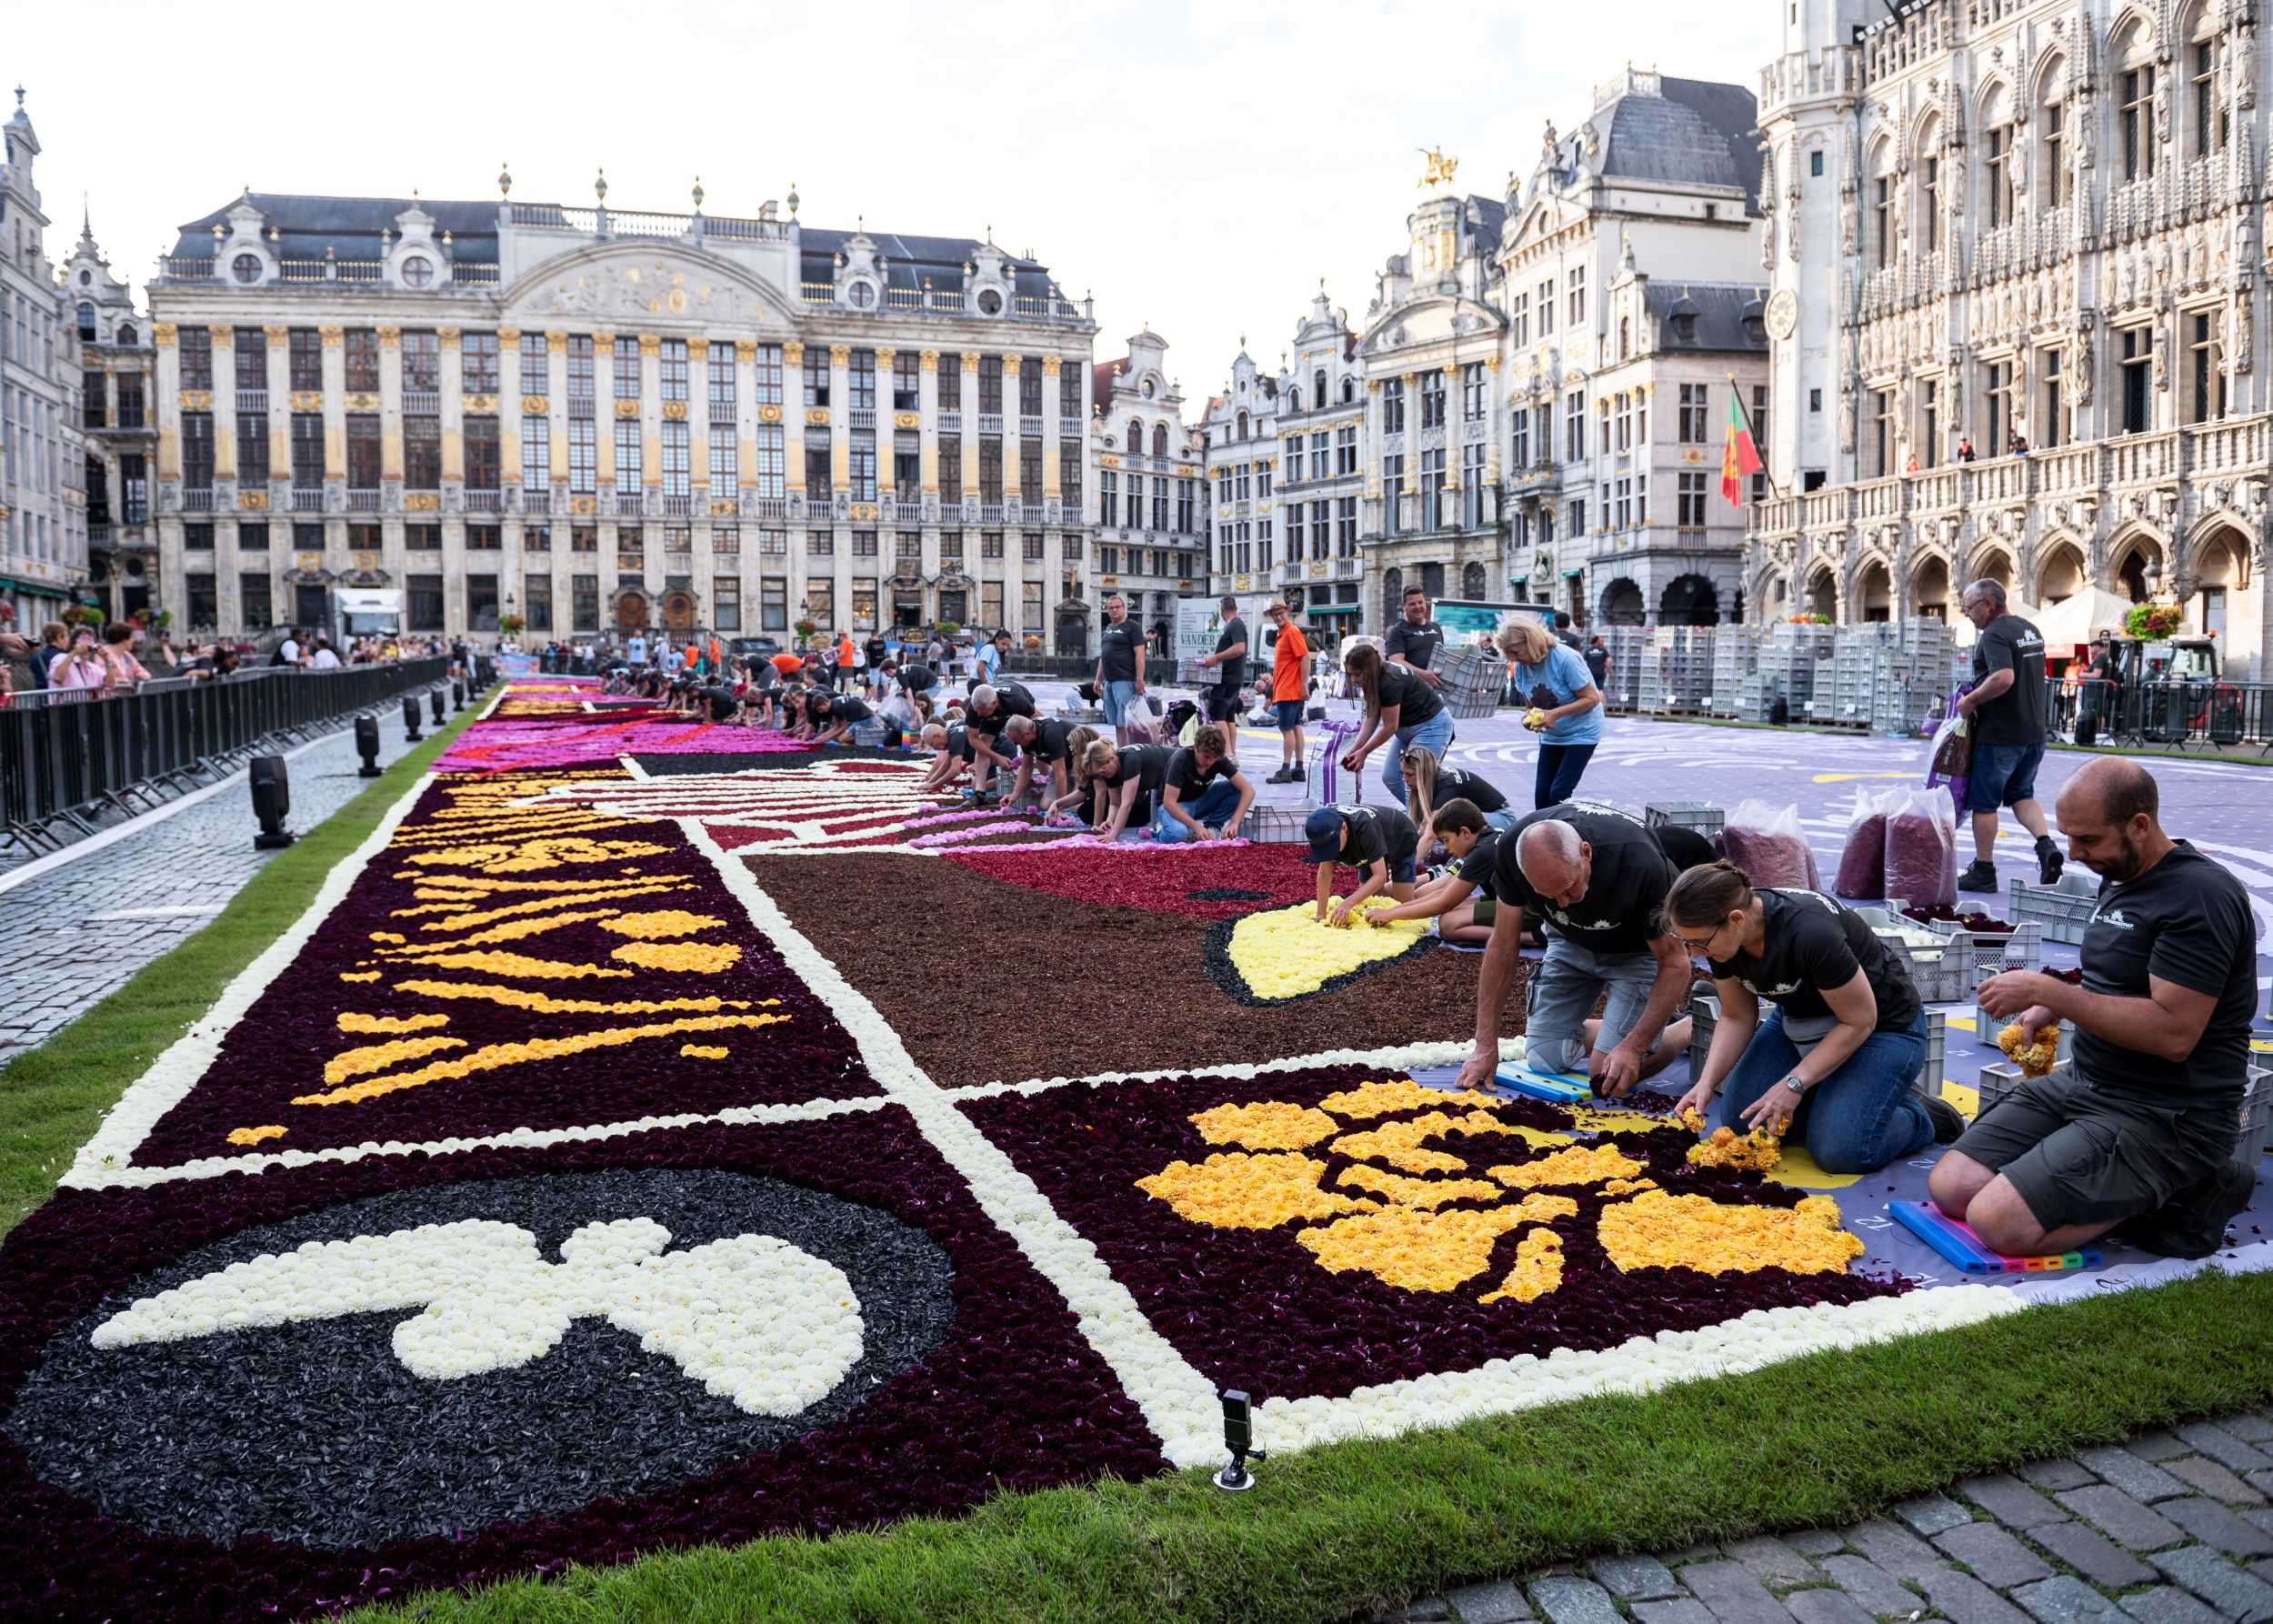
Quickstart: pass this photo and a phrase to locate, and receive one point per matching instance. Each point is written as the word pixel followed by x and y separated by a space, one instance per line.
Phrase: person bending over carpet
pixel 1461 902
pixel 836 715
pixel 1119 780
pixel 1430 784
pixel 1204 795
pixel 1400 704
pixel 949 761
pixel 1599 878
pixel 2138 1140
pixel 1570 725
pixel 988 713
pixel 1835 1061
pixel 1380 842
pixel 1044 748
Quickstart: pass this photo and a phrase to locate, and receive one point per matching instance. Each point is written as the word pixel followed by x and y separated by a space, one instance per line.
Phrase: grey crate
pixel 2257 1117
pixel 1274 823
pixel 2064 908
pixel 1704 817
pixel 1943 974
pixel 1987 1028
pixel 2022 948
pixel 1474 678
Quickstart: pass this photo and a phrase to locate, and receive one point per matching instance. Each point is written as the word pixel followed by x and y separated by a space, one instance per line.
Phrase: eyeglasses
pixel 1705 946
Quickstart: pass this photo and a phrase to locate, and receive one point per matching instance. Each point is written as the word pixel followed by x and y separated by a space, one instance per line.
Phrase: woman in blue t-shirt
pixel 1571 726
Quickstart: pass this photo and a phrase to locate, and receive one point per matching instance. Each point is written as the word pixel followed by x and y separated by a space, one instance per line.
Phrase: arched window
pixel 1927 228
pixel 2135 148
pixel 1160 439
pixel 1349 390
pixel 1243 425
pixel 1317 387
pixel 2052 151
pixel 1392 595
pixel 126 333
pixel 1135 438
pixel 1625 336
pixel 1294 400
pixel 2208 119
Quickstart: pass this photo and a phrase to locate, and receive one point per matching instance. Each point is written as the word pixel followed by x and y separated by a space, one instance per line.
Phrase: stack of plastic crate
pixel 1626 644
pixel 1735 661
pixel 1788 659
pixel 1676 671
pixel 1473 679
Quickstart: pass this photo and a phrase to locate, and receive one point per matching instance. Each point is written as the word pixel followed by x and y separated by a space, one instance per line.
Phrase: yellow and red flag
pixel 1739 455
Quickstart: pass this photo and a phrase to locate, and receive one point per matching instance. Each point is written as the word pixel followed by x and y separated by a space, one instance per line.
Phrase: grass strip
pixel 1344 1529
pixel 53 1096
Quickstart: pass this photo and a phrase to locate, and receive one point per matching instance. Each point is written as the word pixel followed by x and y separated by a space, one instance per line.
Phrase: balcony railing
pixel 484 501
pixel 1031 427
pixel 765 508
pixel 678 506
pixel 537 504
pixel 861 416
pixel 951 421
pixel 627 506
pixel 990 423
pixel 421 403
pixel 907 513
pixel 1068 428
pixel 363 501
pixel 252 400
pixel 307 498
pixel 197 498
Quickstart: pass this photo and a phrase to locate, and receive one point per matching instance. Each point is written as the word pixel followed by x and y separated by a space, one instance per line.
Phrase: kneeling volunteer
pixel 1835 1059
pixel 1043 748
pixel 1430 784
pixel 1599 878
pixel 947 760
pixel 1118 779
pixel 2139 1140
pixel 990 710
pixel 1380 842
pixel 835 716
pixel 1205 795
pixel 1461 902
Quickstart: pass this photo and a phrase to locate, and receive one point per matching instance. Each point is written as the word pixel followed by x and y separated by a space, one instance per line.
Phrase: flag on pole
pixel 1739 455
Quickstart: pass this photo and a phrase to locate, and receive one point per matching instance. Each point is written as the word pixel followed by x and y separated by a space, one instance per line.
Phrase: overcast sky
pixel 1196 167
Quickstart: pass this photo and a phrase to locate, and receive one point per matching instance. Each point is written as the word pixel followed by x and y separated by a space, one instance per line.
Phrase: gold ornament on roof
pixel 1440 169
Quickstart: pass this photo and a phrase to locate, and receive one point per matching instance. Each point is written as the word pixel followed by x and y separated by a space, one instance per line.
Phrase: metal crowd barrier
pixel 66 756
pixel 2212 714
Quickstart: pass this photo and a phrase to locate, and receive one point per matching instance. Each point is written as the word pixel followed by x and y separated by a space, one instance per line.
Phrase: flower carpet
pixel 616 1158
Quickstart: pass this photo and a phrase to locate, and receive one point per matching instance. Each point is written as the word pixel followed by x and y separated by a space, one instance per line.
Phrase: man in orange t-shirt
pixel 1291 692
pixel 847 657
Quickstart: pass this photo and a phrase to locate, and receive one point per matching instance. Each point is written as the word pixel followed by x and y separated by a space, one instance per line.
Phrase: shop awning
pixel 38 589
pixel 1332 609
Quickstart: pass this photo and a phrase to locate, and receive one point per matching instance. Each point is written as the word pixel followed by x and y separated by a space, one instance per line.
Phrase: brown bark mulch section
pixel 987 982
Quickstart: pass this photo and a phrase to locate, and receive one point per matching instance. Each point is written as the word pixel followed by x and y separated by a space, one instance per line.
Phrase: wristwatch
pixel 1795 1085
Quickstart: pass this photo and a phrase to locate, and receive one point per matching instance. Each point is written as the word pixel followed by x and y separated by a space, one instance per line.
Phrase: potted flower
pixel 948 629
pixel 805 628
pixel 2154 622
pixel 1034 642
pixel 510 625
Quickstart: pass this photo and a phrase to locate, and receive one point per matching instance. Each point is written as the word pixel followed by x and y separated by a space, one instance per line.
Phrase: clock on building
pixel 1783 313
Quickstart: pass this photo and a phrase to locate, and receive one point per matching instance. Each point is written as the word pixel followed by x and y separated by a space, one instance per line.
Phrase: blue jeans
pixel 1115 698
pixel 1213 806
pixel 1434 735
pixel 1857 1120
pixel 1503 820
pixel 1560 769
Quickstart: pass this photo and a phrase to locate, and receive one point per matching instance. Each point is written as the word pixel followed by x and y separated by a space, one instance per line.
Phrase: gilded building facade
pixel 118 366
pixel 589 419
pixel 42 502
pixel 2018 309
pixel 1151 507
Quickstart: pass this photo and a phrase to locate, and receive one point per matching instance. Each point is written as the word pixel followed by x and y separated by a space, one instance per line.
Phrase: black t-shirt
pixel 1185 778
pixel 1048 743
pixel 1231 673
pixel 722 702
pixel 918 679
pixel 1458 784
pixel 959 741
pixel 1117 651
pixel 1624 893
pixel 2015 717
pixel 1415 700
pixel 876 649
pixel 1598 663
pixel 762 676
pixel 1373 835
pixel 1814 943
pixel 1417 644
pixel 845 707
pixel 1479 868
pixel 1011 699
pixel 2188 921
pixel 1145 765
pixel 1685 848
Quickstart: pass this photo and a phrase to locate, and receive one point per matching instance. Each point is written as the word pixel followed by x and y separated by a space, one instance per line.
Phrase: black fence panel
pixel 63 752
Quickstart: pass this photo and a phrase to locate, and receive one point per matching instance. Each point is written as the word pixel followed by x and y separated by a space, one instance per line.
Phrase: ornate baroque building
pixel 1432 346
pixel 1321 425
pixel 43 507
pixel 2032 230
pixel 1151 514
pixel 594 419
pixel 1241 429
pixel 1633 300
pixel 117 380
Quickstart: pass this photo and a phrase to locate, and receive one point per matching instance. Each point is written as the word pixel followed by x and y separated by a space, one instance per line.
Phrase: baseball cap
pixel 1324 827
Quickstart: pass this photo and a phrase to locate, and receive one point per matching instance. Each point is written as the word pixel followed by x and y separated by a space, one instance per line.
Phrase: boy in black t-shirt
pixel 1461 902
pixel 2138 1139
pixel 1204 795
pixel 1380 842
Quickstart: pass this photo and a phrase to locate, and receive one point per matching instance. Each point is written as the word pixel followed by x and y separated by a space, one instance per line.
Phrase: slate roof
pixel 1721 309
pixel 350 226
pixel 1696 132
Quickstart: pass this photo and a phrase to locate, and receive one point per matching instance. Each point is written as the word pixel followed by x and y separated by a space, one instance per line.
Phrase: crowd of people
pixel 118 657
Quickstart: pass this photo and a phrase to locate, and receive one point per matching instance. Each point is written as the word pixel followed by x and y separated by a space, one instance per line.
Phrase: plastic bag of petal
pixel 1766 842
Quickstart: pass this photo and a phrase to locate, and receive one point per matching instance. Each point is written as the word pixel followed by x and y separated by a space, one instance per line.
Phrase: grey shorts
pixel 2080 1155
pixel 1562 992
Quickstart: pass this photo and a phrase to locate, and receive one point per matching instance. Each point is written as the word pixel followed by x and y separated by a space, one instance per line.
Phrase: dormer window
pixel 989 302
pixel 417 271
pixel 860 295
pixel 246 268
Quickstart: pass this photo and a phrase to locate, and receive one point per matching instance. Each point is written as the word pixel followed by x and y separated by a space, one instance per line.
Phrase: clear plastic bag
pixel 1922 849
pixel 1862 875
pixel 1766 842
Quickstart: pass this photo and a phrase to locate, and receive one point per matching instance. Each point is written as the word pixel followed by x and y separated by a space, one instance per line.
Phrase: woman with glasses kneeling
pixel 1834 1062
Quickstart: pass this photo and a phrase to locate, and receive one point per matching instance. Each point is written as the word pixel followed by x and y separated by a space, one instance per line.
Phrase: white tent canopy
pixel 1963 633
pixel 2073 620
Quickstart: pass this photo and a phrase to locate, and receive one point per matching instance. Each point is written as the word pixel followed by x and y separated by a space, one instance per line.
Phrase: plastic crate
pixel 1987 1028
pixel 2064 908
pixel 1706 819
pixel 1191 674
pixel 1274 823
pixel 1473 679
pixel 2021 948
pixel 1943 973
pixel 2256 1135
pixel 870 734
pixel 1929 1078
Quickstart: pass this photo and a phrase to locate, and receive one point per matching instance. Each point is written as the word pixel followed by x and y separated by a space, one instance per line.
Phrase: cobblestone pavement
pixel 133 900
pixel 2172 1527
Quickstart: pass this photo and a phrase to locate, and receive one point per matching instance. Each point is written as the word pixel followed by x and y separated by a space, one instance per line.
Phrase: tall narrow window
pixel 1393 407
pixel 364 465
pixel 768 371
pixel 359 349
pixel 537 453
pixel 2054 141
pixel 1575 301
pixel 2138 361
pixel 861 381
pixel 477 363
pixel 252 358
pixel 2209 118
pixel 2050 421
pixel 421 363
pixel 2136 121
pixel 481 454
pixel 422 452
pixel 536 373
pixel 1882 220
pixel 676 451
pixel 582 371
pixel 671 368
pixel 627 369
pixel 197 450
pixel 1929 203
pixel 583 455
pixel 2205 378
pixel 1998 392
pixel 1999 176
pixel 719 382
pixel 1881 433
pixel 1929 423
pixel 196 359
pixel 305 359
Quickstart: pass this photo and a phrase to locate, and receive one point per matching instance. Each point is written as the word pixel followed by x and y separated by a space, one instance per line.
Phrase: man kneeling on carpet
pixel 949 760
pixel 1462 902
pixel 1380 842
pixel 2139 1141
pixel 1600 879
pixel 1204 796
pixel 835 716
pixel 1045 746
pixel 1844 1041
pixel 990 711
